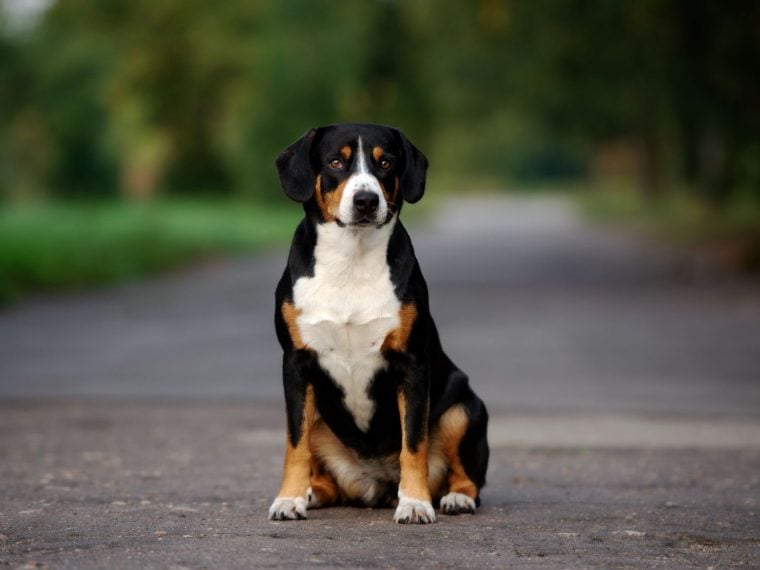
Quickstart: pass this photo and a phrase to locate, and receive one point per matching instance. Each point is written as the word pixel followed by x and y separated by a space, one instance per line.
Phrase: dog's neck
pixel 352 245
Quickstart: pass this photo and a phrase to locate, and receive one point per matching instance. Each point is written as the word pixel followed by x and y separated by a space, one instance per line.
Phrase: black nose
pixel 366 202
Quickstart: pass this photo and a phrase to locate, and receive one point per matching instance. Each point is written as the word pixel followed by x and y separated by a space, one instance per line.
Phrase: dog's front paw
pixel 456 504
pixel 288 508
pixel 414 512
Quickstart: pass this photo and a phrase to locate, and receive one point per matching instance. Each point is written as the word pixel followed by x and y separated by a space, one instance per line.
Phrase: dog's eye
pixel 385 164
pixel 336 163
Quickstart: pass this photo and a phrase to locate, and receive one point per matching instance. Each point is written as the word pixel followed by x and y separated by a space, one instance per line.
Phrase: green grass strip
pixel 66 246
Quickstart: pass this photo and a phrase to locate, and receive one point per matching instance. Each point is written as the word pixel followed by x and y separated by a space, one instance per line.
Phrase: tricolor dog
pixel 377 414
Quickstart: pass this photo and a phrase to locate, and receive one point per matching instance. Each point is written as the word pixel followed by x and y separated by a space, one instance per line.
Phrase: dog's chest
pixel 347 309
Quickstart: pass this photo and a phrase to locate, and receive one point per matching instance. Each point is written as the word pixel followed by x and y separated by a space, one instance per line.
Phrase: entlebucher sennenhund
pixel 377 414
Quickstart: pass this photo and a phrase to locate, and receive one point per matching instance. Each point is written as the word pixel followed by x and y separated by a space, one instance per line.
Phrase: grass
pixel 730 234
pixel 67 246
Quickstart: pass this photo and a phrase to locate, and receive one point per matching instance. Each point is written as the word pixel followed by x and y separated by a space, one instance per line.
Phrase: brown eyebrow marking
pixel 377 152
pixel 345 152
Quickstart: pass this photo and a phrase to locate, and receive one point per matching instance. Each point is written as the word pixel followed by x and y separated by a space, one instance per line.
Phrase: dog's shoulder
pixel 406 274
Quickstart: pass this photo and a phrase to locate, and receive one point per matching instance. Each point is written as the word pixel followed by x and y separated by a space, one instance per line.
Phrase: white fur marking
pixel 362 159
pixel 364 479
pixel 288 508
pixel 456 503
pixel 348 308
pixel 361 179
pixel 413 511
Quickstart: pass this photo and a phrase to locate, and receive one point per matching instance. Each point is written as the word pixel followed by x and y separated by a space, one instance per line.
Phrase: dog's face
pixel 354 175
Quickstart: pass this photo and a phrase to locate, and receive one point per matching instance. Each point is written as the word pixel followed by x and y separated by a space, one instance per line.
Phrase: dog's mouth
pixel 363 222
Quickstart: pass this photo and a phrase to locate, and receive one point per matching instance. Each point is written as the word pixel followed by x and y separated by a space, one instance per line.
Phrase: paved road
pixel 141 426
pixel 544 313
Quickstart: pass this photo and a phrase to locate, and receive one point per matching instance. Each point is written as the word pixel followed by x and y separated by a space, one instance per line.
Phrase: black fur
pixel 295 169
pixel 413 178
pixel 430 381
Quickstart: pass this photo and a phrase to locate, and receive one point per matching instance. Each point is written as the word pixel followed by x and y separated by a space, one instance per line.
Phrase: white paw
pixel 288 508
pixel 414 511
pixel 456 504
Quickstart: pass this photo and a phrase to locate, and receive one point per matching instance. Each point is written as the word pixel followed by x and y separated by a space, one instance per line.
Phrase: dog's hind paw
pixel 457 504
pixel 288 508
pixel 414 512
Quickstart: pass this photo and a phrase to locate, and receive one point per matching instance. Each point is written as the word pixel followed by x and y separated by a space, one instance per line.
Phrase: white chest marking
pixel 348 308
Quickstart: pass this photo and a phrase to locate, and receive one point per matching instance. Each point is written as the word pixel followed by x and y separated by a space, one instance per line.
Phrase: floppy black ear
pixel 295 170
pixel 413 177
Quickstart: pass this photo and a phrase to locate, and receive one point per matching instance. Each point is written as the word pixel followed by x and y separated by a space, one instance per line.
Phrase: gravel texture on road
pixel 140 485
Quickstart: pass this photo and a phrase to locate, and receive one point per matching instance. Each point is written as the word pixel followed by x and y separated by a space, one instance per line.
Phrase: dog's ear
pixel 413 178
pixel 295 169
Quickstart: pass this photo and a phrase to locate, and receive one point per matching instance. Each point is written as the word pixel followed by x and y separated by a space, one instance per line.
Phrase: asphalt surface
pixel 141 427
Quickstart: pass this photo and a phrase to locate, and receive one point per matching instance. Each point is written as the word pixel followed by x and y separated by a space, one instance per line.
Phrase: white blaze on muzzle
pixel 361 180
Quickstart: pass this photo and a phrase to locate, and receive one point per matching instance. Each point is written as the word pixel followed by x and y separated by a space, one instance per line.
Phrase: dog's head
pixel 354 175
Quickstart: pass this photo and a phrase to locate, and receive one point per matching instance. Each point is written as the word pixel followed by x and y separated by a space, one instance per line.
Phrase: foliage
pixel 177 96
pixel 52 246
pixel 729 234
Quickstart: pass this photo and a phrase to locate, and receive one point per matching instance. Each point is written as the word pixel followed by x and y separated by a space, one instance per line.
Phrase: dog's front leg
pixel 293 498
pixel 414 504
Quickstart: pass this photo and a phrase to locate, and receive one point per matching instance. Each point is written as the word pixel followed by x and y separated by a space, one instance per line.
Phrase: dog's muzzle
pixel 363 203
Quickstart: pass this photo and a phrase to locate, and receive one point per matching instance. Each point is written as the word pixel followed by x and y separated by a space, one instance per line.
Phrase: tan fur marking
pixel 323 485
pixel 438 466
pixel 377 153
pixel 450 431
pixel 414 466
pixel 398 338
pixel 345 152
pixel 295 476
pixel 290 314
pixel 329 202
pixel 321 200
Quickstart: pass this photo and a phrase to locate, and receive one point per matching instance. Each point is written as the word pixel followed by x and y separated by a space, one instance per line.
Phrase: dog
pixel 377 414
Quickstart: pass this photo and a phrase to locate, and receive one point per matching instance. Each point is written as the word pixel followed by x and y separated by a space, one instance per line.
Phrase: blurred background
pixel 590 236
pixel 137 135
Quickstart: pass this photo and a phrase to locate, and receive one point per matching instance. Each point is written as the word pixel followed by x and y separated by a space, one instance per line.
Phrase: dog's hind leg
pixel 324 489
pixel 461 434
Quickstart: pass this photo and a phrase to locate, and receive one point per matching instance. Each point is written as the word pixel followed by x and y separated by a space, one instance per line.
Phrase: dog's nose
pixel 366 202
